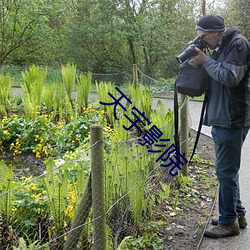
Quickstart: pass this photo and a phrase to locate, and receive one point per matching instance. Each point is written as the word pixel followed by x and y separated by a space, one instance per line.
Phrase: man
pixel 228 112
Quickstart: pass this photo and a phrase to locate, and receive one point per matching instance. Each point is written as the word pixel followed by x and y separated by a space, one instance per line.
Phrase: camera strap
pixel 176 122
pixel 199 127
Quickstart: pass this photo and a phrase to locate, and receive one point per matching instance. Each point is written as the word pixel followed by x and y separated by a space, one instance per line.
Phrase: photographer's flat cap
pixel 210 23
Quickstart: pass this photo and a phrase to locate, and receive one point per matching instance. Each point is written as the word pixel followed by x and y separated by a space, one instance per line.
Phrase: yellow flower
pixel 37 196
pixel 6 132
pixel 69 211
pixel 38 156
pixel 31 186
pixel 45 151
pixel 73 199
pixel 14 209
pixel 16 152
pixel 26 178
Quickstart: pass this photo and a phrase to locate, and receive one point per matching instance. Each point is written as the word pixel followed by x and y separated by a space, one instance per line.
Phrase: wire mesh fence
pixel 159 87
pixel 57 209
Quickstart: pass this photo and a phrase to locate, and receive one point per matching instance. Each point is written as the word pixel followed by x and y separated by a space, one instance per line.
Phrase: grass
pixel 161 88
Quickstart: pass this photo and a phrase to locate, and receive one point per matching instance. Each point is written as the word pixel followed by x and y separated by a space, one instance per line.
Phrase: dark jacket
pixel 228 103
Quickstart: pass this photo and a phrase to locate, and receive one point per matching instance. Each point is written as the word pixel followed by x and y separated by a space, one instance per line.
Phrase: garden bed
pixel 146 209
pixel 25 164
pixel 181 214
pixel 178 220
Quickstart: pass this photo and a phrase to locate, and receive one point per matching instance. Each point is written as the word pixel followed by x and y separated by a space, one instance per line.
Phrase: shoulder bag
pixel 192 79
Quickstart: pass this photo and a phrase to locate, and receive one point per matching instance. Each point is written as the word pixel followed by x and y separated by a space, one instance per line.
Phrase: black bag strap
pixel 176 118
pixel 176 122
pixel 199 127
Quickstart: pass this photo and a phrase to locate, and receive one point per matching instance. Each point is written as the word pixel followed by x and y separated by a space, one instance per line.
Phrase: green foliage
pixel 30 206
pixel 65 181
pixel 5 90
pixel 43 137
pixel 23 25
pixel 176 199
pixel 48 98
pixel 57 188
pixel 184 181
pixel 76 132
pixel 55 99
pixel 164 120
pixel 63 103
pixel 68 74
pixel 141 98
pixel 125 174
pixel 15 71
pixel 142 33
pixel 127 168
pixel 34 81
pixel 53 199
pixel 59 101
pixel 103 36
pixel 29 245
pixel 136 178
pixel 164 192
pixel 55 196
pixel 6 184
pixel 83 91
pixel 163 87
pixel 103 88
pixel 147 241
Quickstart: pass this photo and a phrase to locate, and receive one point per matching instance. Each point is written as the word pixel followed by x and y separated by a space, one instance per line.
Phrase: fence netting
pixel 41 210
pixel 51 206
pixel 160 87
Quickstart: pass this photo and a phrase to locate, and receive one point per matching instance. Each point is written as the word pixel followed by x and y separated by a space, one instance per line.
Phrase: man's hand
pixel 200 58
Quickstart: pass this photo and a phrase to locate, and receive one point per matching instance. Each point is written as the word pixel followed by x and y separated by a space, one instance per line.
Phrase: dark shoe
pixel 221 231
pixel 241 219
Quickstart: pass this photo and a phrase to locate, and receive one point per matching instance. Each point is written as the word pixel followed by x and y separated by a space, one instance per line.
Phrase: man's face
pixel 211 38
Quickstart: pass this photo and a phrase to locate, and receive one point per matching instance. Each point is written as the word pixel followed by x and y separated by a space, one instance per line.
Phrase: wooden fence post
pixel 98 195
pixel 80 218
pixel 135 74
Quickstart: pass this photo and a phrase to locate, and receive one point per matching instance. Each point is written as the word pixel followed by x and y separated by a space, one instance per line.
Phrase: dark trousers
pixel 228 145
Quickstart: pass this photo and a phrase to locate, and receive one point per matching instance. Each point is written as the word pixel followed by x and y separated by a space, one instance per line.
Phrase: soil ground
pixel 187 223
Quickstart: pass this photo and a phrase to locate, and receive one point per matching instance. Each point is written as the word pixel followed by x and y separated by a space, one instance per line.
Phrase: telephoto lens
pixel 190 50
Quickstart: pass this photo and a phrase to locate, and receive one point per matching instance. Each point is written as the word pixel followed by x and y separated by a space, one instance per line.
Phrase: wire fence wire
pixel 28 216
pixel 41 212
pixel 159 87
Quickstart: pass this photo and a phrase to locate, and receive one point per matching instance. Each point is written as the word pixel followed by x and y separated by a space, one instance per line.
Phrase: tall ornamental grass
pixel 5 91
pixel 34 80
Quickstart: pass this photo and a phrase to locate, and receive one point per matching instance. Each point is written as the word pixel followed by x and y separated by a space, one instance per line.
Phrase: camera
pixel 190 51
